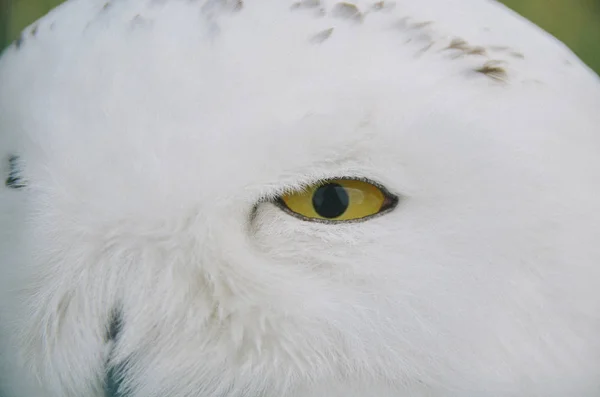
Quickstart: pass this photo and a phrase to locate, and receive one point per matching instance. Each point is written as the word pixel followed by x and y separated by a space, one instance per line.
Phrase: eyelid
pixel 324 181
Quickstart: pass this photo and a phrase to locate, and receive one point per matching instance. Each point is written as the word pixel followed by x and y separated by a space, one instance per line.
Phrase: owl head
pixel 309 199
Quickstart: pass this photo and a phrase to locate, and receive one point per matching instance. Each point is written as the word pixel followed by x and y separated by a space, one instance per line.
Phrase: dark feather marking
pixel 19 41
pixel 494 70
pixel 478 50
pixel 114 373
pixel 424 49
pixel 114 381
pixel 321 36
pixel 306 4
pixel 347 11
pixel 383 6
pixel 499 48
pixel 421 25
pixel 115 327
pixel 14 180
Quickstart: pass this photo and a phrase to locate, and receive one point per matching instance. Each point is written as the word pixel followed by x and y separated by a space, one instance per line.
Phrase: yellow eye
pixel 339 200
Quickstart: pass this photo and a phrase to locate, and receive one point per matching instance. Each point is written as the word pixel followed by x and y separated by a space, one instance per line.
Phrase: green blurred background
pixel 576 22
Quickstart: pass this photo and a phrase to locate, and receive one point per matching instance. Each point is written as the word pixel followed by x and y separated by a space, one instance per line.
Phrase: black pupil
pixel 330 200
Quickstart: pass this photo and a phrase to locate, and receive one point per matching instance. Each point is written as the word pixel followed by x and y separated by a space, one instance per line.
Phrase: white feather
pixel 151 132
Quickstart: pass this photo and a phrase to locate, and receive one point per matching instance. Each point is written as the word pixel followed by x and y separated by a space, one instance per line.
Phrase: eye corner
pixel 280 203
pixel 390 201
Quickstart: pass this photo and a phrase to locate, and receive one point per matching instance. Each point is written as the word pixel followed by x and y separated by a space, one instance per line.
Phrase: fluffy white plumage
pixel 152 134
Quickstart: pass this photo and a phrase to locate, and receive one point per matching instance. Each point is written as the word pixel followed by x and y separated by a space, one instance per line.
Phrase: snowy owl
pixel 270 198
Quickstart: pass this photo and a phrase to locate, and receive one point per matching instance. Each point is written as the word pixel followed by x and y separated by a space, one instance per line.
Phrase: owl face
pixel 298 199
